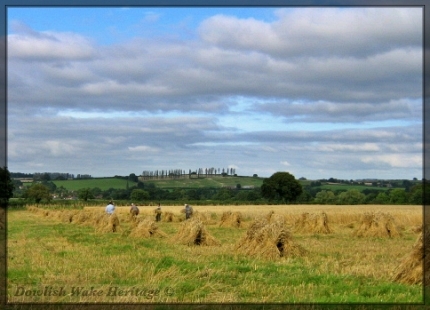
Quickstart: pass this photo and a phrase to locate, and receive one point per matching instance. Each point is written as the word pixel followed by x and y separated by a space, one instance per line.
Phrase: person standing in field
pixel 158 213
pixel 110 208
pixel 134 210
pixel 188 211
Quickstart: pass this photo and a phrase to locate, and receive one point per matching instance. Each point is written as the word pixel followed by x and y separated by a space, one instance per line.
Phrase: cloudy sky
pixel 318 92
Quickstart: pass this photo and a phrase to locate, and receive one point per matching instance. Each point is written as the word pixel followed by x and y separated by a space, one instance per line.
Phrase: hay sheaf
pixel 83 217
pixel 169 217
pixel 270 240
pixel 108 223
pixel 67 216
pixel 147 229
pixel 313 223
pixel 410 270
pixel 193 232
pixel 377 225
pixel 231 219
pixel 32 209
pixel 205 218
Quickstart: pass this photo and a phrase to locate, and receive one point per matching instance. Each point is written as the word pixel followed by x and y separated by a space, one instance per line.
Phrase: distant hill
pixel 207 182
pixel 102 183
pixel 166 183
pixel 245 182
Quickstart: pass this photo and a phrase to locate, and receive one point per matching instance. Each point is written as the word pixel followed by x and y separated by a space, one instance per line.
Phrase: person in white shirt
pixel 110 208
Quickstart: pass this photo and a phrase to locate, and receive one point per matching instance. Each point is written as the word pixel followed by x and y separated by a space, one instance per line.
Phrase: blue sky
pixel 319 92
pixel 113 25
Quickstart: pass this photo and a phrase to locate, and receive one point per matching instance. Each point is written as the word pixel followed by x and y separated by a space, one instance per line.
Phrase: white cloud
pixel 359 147
pixel 396 160
pixel 50 46
pixel 60 148
pixel 143 148
pixel 243 91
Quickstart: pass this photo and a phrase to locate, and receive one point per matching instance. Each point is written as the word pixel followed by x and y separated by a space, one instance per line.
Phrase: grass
pixel 346 187
pixel 102 183
pixel 203 182
pixel 193 183
pixel 44 252
pixel 208 182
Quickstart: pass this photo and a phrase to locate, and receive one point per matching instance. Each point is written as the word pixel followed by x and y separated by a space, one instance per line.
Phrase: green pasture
pixel 214 182
pixel 347 187
pixel 102 183
pixel 207 182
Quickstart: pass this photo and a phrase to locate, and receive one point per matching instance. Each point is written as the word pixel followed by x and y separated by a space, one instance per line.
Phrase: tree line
pixel 280 188
pixel 179 173
pixel 273 191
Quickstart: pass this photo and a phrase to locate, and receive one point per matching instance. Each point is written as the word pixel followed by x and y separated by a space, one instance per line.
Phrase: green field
pixel 207 182
pixel 210 182
pixel 194 182
pixel 346 187
pixel 102 183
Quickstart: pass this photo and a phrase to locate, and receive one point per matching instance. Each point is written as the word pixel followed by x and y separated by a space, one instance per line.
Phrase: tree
pixel 45 177
pixel 325 197
pixel 223 194
pixel 416 195
pixel 382 198
pixel 398 196
pixel 6 187
pixel 96 191
pixel 133 177
pixel 139 195
pixel 38 192
pixel 50 185
pixel 85 194
pixel 351 197
pixel 281 186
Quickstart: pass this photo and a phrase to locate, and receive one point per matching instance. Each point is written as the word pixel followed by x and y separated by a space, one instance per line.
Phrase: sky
pixel 318 92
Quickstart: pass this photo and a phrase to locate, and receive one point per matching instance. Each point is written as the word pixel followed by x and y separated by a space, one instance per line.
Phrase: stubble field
pixel 53 260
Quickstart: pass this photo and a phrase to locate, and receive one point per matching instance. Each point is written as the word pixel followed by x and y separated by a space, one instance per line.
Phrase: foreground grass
pixel 73 263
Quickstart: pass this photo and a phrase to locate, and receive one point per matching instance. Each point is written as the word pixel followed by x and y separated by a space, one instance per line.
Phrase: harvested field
pixel 327 268
pixel 339 215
